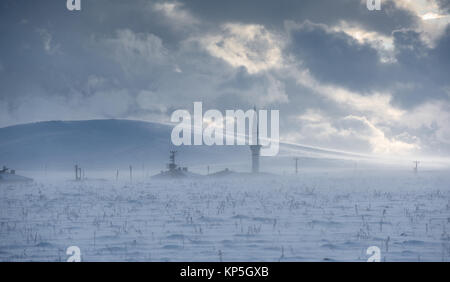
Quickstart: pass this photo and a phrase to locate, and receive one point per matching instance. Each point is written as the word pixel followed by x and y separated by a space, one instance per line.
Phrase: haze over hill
pixel 106 144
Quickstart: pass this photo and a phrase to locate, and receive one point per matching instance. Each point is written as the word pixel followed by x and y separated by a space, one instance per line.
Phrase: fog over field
pixel 314 216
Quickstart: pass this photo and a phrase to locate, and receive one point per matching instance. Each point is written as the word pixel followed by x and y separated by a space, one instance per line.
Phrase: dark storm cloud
pixel 336 57
pixel 440 59
pixel 50 54
pixel 54 39
pixel 275 13
pixel 444 5
pixel 425 68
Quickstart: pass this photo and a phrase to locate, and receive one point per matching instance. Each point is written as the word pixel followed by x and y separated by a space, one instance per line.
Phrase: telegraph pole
pixel 296 165
pixel 131 173
pixel 416 168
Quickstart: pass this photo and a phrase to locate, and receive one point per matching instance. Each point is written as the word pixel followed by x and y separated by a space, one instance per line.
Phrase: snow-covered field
pixel 316 216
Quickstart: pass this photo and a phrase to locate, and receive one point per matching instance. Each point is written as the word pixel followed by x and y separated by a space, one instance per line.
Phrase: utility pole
pixel 296 165
pixel 131 173
pixel 78 173
pixel 416 168
pixel 117 174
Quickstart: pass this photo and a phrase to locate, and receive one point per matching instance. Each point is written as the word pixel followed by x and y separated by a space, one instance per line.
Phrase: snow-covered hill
pixel 105 144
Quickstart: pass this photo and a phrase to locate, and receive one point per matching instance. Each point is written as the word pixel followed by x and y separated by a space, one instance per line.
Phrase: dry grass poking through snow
pixel 321 216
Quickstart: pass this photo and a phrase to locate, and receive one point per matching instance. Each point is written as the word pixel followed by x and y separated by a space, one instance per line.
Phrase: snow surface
pixel 315 216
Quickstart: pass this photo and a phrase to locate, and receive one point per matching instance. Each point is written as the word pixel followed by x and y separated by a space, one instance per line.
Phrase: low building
pixel 9 175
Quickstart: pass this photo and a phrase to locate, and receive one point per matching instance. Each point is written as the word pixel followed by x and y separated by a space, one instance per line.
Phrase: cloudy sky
pixel 343 77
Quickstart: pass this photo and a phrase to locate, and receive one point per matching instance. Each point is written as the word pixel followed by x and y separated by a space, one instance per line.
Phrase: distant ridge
pixel 96 143
pixel 106 144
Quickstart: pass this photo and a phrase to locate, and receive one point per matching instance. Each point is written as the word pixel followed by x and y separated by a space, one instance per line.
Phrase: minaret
pixel 256 148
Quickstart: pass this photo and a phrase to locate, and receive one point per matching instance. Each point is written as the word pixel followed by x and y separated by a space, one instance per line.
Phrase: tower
pixel 131 173
pixel 416 168
pixel 77 172
pixel 172 166
pixel 256 148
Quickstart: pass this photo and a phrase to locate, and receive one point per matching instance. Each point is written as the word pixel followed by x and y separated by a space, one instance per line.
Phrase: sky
pixel 342 77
